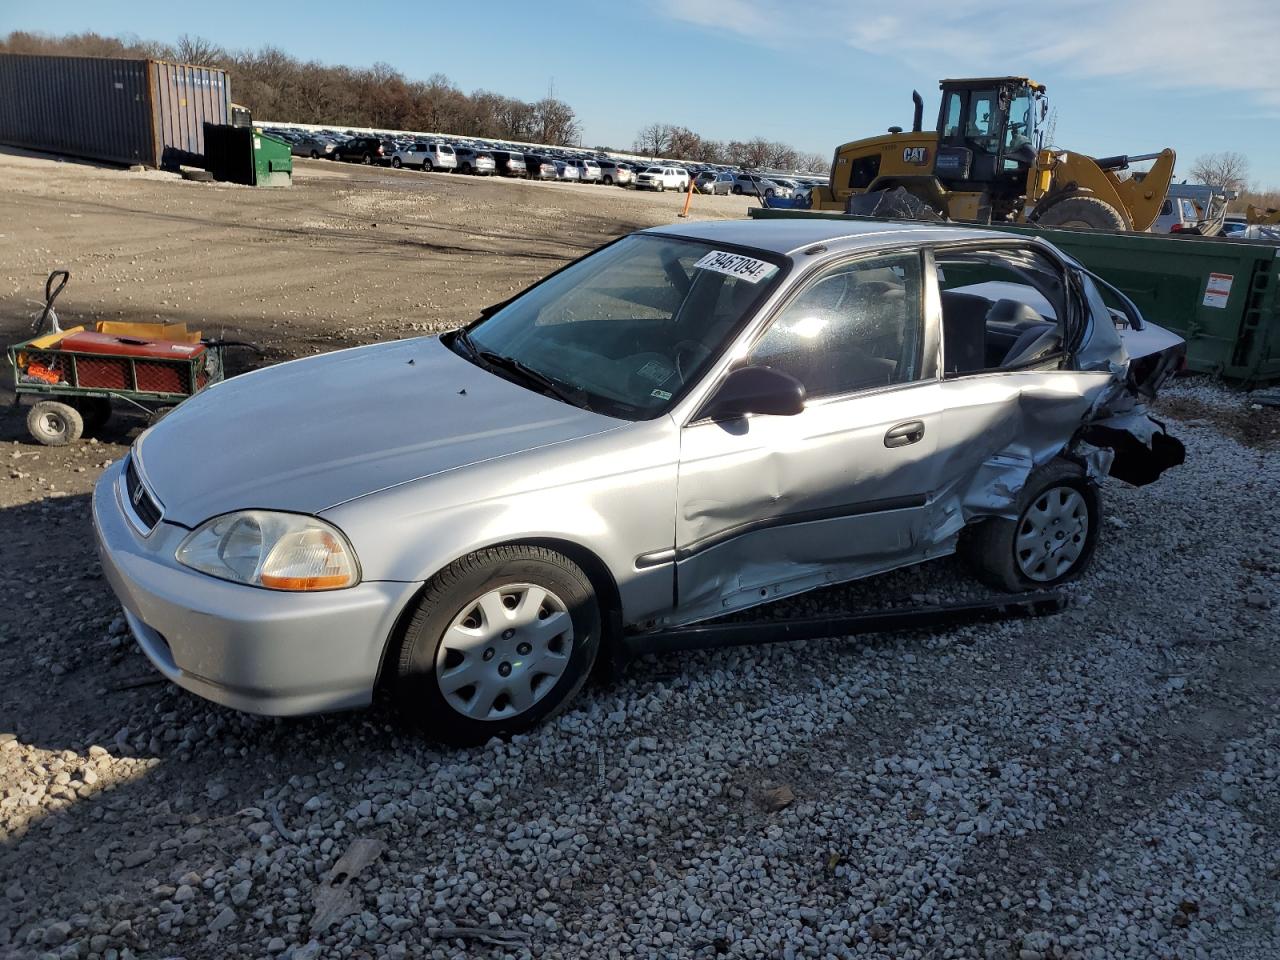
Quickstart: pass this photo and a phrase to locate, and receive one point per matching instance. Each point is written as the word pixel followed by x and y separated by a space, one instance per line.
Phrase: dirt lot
pixel 1101 784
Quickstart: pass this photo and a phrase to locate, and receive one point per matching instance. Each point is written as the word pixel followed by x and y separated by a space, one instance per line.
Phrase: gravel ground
pixel 1104 783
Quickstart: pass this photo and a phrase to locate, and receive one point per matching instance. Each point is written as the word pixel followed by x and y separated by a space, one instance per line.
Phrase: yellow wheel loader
pixel 987 163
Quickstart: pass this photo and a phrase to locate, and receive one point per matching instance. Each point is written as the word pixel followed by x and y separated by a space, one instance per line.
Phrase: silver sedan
pixel 691 421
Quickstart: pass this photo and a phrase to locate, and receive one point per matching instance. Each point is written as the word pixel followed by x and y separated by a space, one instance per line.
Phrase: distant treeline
pixel 681 143
pixel 276 86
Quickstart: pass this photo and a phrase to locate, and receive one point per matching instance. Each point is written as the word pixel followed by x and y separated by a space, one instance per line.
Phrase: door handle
pixel 905 433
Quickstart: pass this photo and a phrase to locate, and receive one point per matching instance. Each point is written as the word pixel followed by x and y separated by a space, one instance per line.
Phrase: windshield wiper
pixel 529 375
pixel 464 338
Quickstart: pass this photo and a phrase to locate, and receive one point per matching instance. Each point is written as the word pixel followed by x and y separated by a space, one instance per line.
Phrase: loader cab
pixel 988 131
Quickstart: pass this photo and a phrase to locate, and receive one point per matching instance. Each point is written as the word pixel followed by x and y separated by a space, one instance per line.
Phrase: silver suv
pixel 427 155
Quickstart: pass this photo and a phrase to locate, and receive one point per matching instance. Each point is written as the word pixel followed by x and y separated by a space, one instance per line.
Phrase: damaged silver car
pixel 690 421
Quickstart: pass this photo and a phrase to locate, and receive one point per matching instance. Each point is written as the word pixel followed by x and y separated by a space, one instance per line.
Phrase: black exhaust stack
pixel 917 121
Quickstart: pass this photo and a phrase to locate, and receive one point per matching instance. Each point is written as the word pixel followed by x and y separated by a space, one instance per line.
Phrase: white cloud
pixel 1184 45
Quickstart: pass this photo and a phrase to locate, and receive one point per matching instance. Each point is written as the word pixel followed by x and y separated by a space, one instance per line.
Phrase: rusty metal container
pixel 150 112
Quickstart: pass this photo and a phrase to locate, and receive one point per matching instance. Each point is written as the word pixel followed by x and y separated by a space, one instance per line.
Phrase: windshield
pixel 628 328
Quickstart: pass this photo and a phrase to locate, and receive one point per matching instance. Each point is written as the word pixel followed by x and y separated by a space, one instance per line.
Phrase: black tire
pixel 367 159
pixel 466 168
pixel 395 163
pixel 54 424
pixel 315 154
pixel 991 548
pixel 94 411
pixel 768 191
pixel 426 166
pixel 737 189
pixel 447 596
pixel 608 181
pixel 1088 212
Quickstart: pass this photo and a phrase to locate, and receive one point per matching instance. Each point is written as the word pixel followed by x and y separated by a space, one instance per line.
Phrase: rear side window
pixel 1001 309
pixel 855 327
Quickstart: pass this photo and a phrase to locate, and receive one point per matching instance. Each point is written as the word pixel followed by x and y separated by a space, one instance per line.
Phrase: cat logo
pixel 918 155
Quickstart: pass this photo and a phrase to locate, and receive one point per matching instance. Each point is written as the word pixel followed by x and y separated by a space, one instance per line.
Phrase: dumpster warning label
pixel 1218 290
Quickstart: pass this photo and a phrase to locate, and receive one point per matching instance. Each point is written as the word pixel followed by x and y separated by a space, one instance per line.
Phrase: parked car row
pixel 496 158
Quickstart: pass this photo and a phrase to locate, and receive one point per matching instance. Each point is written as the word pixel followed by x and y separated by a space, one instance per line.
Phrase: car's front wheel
pixel 395 162
pixel 1051 541
pixel 500 640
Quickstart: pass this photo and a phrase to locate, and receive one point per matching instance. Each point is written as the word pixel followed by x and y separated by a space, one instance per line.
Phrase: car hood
pixel 307 435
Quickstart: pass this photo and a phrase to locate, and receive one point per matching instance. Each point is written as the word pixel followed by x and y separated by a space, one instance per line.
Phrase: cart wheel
pixel 54 424
pixel 95 411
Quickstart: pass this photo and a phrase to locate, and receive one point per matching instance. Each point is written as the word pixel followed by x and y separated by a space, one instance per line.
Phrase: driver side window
pixel 856 327
pixel 982 114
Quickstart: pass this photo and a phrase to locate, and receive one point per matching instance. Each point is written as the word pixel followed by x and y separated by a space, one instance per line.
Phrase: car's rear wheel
pixel 1053 538
pixel 315 154
pixel 395 162
pixel 500 640
pixel 54 424
pixel 368 159
pixel 426 166
pixel 737 189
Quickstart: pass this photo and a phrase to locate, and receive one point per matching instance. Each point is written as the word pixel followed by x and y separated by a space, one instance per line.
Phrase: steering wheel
pixel 692 350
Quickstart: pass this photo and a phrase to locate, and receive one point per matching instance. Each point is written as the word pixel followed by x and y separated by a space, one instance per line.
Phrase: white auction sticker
pixel 1218 290
pixel 736 265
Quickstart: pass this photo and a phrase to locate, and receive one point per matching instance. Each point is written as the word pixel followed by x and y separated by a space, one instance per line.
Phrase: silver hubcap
pixel 504 651
pixel 1052 534
pixel 53 425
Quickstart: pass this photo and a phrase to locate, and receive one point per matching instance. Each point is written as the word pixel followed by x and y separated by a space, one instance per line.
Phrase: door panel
pixel 767 502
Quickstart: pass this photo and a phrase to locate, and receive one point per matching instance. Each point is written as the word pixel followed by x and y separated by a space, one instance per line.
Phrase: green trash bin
pixel 272 161
pixel 246 155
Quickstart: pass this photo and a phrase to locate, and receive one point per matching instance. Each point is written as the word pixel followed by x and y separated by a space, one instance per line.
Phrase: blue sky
pixel 1125 76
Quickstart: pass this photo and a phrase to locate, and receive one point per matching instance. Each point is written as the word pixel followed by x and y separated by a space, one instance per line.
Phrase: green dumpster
pixel 272 161
pixel 1222 296
pixel 246 155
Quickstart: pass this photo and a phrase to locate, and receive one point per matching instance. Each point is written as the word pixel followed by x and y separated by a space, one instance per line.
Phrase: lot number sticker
pixel 736 265
pixel 1218 290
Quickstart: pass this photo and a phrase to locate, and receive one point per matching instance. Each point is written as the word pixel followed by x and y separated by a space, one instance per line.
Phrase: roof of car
pixel 792 235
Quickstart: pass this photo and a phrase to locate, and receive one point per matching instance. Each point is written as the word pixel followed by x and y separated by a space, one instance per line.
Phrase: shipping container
pixel 149 112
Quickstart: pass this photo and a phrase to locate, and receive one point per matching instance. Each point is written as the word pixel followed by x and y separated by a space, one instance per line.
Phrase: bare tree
pixel 1227 171
pixel 555 123
pixel 654 139
pixel 198 50
pixel 813 163
pixel 684 144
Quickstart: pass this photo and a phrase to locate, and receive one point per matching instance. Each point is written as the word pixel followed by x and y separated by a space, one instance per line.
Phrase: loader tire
pixel 1088 212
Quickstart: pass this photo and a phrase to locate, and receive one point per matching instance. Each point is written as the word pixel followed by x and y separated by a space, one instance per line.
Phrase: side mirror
pixel 756 390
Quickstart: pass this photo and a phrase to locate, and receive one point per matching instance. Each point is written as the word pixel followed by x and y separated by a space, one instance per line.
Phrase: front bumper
pixel 261 651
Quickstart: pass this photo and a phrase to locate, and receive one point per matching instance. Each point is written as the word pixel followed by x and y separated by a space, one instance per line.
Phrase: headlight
pixel 279 551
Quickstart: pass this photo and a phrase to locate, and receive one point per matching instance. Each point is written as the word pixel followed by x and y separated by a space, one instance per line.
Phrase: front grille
pixel 141 502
